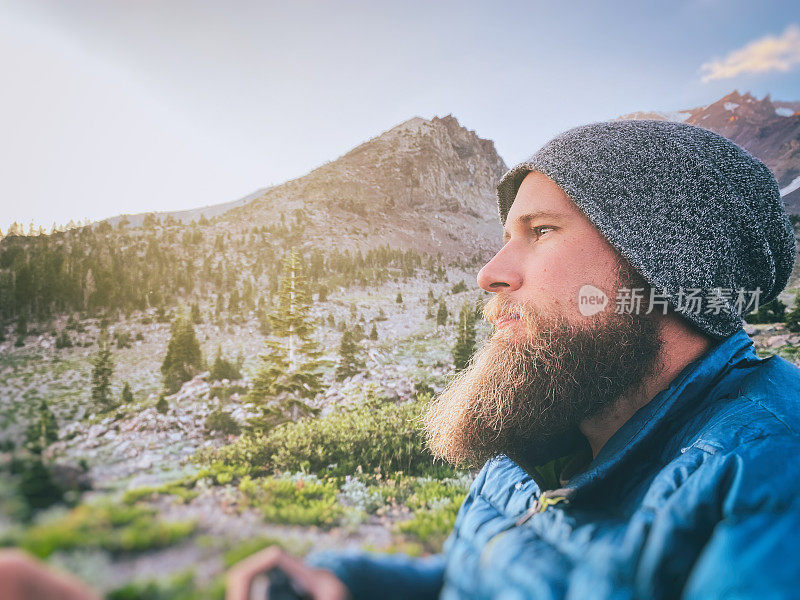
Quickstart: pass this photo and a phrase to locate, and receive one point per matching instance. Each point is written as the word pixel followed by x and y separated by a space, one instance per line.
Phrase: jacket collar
pixel 687 388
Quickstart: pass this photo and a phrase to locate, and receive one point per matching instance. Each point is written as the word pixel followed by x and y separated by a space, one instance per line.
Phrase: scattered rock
pixel 777 340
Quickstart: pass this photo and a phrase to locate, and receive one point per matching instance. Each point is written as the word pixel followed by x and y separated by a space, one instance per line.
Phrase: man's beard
pixel 530 385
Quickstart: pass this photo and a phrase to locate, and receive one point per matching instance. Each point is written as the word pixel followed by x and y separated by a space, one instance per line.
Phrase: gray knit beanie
pixel 685 206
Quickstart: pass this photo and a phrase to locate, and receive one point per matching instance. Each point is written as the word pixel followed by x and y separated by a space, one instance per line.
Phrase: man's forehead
pixel 539 197
pixel 536 214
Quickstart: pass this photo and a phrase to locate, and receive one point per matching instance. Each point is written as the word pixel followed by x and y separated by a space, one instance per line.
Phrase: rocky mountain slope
pixel 426 185
pixel 769 130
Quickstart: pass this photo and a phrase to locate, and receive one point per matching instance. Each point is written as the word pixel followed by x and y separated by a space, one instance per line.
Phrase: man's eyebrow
pixel 532 216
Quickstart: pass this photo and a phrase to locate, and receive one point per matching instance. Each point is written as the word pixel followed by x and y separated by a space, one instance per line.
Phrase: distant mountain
pixel 189 215
pixel 426 185
pixel 769 130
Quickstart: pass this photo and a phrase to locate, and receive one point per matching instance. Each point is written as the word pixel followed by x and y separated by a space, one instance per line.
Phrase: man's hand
pixel 321 584
pixel 22 577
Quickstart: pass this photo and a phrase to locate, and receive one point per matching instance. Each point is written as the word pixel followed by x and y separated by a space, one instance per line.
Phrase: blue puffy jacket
pixel 697 495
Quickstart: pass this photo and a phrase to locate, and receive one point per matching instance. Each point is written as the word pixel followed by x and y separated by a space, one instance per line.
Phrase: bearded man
pixel 632 442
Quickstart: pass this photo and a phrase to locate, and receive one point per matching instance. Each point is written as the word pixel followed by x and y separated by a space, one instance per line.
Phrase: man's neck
pixel 682 345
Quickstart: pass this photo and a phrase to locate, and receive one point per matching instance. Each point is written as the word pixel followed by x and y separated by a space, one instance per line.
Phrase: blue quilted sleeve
pixel 384 576
pixel 753 550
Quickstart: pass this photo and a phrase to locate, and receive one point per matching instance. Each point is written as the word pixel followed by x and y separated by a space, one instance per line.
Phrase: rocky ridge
pixel 426 185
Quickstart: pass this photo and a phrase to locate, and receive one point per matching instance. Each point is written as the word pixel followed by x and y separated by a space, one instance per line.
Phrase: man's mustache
pixel 501 306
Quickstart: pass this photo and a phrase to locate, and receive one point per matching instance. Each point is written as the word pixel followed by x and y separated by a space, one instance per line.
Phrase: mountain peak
pixel 423 184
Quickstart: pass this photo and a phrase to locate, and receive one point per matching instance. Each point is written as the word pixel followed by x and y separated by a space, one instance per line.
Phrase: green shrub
pixel 253 545
pixel 181 489
pixel 123 339
pixel 789 352
pixel 435 503
pixel 116 529
pixel 356 494
pixel 459 287
pixel 179 587
pixel 222 473
pixel 427 492
pixel 294 501
pixel 375 436
pixel 222 422
pixel 432 526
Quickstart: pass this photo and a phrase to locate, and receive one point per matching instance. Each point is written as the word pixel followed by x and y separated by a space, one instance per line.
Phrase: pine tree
pixel 289 372
pixel 161 314
pixel 43 431
pixel 103 368
pixel 793 316
pixel 22 325
pixel 22 329
pixel 263 322
pixel 36 484
pixel 223 369
pixel 63 340
pixel 350 361
pixel 771 312
pixel 184 359
pixel 465 342
pixel 373 334
pixel 358 332
pixel 196 317
pixel 399 298
pixel 441 314
pixel 127 394
pixel 233 302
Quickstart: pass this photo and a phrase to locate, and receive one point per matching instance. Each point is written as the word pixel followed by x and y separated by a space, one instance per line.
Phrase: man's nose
pixel 501 273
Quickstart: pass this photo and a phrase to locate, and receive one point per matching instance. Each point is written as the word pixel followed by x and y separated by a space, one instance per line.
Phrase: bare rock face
pixel 426 185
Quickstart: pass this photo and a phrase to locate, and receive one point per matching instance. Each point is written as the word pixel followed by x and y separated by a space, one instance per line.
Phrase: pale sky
pixel 111 107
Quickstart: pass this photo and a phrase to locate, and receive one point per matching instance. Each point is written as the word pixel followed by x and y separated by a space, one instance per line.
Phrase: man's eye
pixel 538 231
pixel 542 229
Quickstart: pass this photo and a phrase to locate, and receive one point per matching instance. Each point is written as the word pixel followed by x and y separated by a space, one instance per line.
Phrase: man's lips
pixel 503 321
